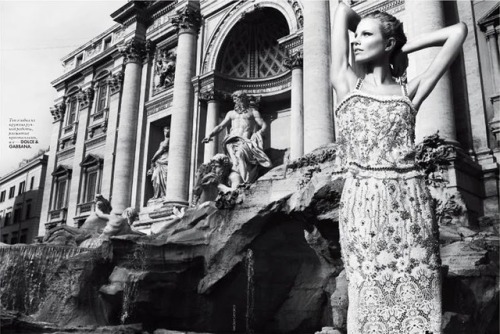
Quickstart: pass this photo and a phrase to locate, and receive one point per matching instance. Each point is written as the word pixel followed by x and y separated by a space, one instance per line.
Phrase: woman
pixel 159 166
pixel 388 233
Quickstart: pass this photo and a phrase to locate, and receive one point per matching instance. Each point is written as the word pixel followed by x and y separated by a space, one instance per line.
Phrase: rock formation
pixel 270 264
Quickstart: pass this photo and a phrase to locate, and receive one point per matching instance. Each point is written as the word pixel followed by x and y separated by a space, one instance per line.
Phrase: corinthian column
pixel 318 122
pixel 436 113
pixel 188 23
pixel 294 62
pixel 133 52
pixel 213 98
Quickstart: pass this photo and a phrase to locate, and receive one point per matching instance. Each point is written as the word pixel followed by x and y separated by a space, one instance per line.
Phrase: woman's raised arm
pixel 343 77
pixel 451 39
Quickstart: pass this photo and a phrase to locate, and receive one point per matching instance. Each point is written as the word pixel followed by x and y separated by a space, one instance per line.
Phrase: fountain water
pixel 26 272
pixel 250 290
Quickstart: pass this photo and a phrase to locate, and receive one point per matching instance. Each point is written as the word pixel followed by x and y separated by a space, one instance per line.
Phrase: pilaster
pixel 115 85
pixel 58 114
pixel 85 98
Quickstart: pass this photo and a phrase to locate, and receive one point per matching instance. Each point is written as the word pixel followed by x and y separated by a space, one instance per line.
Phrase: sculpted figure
pixel 214 177
pixel 243 144
pixel 159 166
pixel 118 224
pixel 164 69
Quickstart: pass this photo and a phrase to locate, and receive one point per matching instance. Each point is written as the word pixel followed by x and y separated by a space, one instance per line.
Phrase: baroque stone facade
pixel 175 63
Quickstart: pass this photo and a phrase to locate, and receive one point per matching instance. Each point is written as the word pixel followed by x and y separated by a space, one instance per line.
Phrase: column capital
pixel 212 95
pixel 294 60
pixel 134 50
pixel 187 20
pixel 85 97
pixel 115 82
pixel 57 111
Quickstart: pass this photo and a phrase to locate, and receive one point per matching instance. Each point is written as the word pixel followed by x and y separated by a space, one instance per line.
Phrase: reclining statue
pixel 213 178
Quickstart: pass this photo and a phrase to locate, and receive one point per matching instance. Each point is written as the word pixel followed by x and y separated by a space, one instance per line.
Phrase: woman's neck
pixel 378 74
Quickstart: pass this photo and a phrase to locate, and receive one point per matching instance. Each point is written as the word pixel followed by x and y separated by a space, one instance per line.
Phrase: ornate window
pixel 100 111
pixel 251 49
pixel 72 110
pixel 91 176
pixel 102 97
pixel 62 176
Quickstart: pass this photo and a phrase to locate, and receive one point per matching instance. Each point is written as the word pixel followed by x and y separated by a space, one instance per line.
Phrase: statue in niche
pixel 213 178
pixel 244 142
pixel 159 166
pixel 164 69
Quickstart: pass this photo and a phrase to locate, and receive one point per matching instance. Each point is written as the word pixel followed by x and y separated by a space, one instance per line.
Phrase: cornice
pixel 393 6
pixel 164 10
pixel 95 141
pixel 66 153
pixel 85 65
pixel 99 37
pixel 213 95
pixel 33 163
pixel 157 105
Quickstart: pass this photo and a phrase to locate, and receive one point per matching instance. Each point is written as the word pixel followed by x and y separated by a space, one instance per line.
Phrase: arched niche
pixel 251 50
pixel 287 9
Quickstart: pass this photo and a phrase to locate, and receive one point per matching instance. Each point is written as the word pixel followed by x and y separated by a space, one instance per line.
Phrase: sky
pixel 34 36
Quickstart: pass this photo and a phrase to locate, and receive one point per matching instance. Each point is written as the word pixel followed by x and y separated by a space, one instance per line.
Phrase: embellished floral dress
pixel 388 233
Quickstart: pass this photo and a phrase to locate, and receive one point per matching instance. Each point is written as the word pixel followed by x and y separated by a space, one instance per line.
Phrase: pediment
pixel 62 170
pixel 91 160
pixel 491 17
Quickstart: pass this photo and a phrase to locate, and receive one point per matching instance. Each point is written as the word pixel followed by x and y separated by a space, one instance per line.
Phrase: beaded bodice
pixel 376 131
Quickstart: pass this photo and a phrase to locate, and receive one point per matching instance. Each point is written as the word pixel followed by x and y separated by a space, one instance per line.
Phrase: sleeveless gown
pixel 388 233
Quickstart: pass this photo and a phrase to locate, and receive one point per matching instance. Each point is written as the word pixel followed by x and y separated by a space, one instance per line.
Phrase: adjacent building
pixel 175 63
pixel 21 194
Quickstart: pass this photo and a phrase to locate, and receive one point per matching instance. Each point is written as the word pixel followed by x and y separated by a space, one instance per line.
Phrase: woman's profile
pixel 389 236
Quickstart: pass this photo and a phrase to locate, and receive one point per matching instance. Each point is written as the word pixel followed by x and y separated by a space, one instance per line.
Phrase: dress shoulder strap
pixel 358 84
pixel 404 87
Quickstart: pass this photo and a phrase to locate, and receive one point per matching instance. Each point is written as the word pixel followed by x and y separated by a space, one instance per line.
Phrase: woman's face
pixel 166 131
pixel 369 43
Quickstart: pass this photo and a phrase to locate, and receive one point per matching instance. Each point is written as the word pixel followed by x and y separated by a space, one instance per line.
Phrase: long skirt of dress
pixel 389 240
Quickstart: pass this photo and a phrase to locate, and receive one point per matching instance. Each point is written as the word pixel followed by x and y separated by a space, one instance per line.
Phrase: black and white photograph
pixel 249 167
